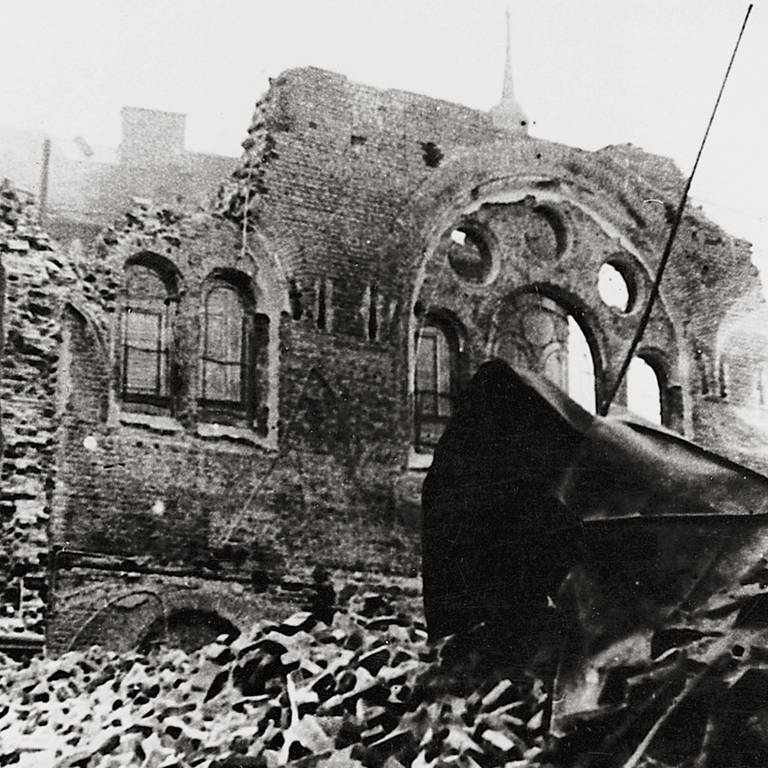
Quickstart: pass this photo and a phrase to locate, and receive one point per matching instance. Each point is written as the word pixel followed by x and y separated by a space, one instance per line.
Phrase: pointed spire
pixel 507 114
pixel 508 89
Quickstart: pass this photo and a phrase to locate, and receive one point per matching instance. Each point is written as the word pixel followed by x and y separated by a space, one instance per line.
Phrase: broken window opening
pixel 469 256
pixel 615 287
pixel 580 367
pixel 644 390
pixel 431 153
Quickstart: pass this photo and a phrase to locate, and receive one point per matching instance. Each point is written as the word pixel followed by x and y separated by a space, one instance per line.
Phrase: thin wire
pixel 738 211
pixel 257 487
pixel 670 240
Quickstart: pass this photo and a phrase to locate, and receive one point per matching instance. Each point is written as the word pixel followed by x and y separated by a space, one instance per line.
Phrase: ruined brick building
pixel 206 404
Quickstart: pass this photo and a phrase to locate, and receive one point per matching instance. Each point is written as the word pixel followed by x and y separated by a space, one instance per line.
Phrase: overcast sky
pixel 587 72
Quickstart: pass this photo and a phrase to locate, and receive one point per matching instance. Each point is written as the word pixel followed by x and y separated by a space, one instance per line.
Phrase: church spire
pixel 507 114
pixel 508 89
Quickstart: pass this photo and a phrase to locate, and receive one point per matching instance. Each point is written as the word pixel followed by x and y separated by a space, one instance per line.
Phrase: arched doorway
pixel 188 629
pixel 535 332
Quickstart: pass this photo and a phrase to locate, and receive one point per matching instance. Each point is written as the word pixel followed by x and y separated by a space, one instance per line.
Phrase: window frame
pixel 438 326
pixel 246 411
pixel 162 398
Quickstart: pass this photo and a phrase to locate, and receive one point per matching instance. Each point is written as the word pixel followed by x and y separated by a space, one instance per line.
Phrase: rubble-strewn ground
pixel 366 689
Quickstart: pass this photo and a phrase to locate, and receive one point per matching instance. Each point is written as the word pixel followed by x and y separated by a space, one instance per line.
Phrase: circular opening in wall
pixel 469 256
pixel 557 226
pixel 615 287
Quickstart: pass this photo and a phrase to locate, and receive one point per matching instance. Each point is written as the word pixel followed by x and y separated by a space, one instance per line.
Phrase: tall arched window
pixel 146 334
pixel 644 390
pixel 233 362
pixel 435 381
pixel 225 343
pixel 581 367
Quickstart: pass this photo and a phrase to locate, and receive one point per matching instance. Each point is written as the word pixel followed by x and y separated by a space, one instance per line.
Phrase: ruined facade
pixel 223 399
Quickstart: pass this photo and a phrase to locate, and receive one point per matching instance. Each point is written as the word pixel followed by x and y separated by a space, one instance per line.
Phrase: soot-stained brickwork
pixel 33 278
pixel 370 251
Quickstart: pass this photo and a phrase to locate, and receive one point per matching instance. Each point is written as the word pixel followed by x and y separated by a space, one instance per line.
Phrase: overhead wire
pixel 654 292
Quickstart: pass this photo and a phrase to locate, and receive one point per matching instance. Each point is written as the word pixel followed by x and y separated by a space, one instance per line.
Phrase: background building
pixel 87 187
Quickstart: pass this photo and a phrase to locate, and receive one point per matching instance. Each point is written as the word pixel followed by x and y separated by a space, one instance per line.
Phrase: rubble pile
pixel 365 690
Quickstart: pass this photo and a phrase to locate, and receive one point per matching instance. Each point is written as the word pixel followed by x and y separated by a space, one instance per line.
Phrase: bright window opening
pixel 613 288
pixel 469 256
pixel 643 392
pixel 581 368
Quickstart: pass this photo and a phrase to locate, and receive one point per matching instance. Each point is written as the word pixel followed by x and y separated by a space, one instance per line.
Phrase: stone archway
pixel 576 198
pixel 188 629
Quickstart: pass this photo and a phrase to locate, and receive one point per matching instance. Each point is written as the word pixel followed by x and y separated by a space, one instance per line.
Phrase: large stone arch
pixel 129 615
pixel 79 329
pixel 186 628
pixel 509 172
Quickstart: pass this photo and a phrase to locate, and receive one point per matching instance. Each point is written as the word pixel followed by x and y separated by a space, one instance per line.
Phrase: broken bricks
pixel 300 693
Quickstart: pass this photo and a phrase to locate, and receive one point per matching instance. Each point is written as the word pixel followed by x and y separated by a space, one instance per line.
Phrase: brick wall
pixel 32 276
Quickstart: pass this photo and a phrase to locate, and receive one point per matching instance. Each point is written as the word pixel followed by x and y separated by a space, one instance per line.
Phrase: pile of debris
pixel 368 689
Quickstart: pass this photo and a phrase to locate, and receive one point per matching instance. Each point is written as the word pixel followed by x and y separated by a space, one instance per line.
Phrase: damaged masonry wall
pixel 161 509
pixel 336 225
pixel 32 275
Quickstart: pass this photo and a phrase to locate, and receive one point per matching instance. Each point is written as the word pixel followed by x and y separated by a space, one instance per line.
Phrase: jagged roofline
pixel 508 172
pixel 603 153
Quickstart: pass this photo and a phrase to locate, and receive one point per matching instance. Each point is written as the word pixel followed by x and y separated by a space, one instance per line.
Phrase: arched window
pixel 581 367
pixel 644 391
pixel 224 360
pixel 233 362
pixel 435 381
pixel 188 629
pixel 146 334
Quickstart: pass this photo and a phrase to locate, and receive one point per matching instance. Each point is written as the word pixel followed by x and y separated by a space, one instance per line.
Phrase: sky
pixel 588 72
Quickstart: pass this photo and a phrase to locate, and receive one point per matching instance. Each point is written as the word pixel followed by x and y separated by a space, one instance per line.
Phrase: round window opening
pixel 469 256
pixel 614 288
